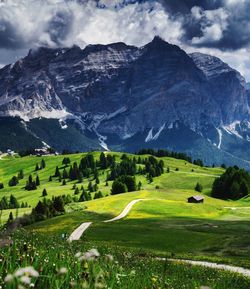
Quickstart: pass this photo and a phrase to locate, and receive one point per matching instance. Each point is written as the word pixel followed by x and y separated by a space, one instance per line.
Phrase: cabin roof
pixel 197 198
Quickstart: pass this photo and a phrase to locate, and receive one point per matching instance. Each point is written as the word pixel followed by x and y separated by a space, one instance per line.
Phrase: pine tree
pixel 65 174
pixel 66 161
pixel 20 175
pixel 80 177
pixel 37 168
pixel 118 188
pixel 57 172
pixel 198 188
pixel 58 204
pixel 103 161
pixel 43 164
pixel 44 193
pixel 13 181
pixel 90 187
pixel 76 191
pixel 11 218
pixel 37 181
pixel 13 202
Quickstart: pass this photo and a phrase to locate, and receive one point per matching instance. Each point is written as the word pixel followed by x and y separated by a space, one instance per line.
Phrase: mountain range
pixel 123 98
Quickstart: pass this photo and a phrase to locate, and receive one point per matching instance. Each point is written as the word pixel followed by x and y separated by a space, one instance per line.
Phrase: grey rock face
pixel 123 90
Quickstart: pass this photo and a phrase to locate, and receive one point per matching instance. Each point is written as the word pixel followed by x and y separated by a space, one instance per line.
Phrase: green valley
pixel 162 224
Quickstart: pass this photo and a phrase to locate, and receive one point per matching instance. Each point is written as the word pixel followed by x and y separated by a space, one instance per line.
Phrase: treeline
pixel 15 179
pixel 165 153
pixel 44 209
pixel 234 184
pixel 11 203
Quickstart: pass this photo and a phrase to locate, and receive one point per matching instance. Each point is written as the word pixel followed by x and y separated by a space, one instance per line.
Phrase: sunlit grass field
pixel 163 223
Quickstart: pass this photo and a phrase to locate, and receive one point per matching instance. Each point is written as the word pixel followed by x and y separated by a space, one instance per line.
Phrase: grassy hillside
pixel 161 224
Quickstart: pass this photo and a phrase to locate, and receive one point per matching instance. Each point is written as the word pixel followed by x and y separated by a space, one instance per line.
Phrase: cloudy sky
pixel 217 27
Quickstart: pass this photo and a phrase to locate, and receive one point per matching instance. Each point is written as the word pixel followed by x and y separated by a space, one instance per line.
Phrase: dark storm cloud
pixel 60 25
pixel 236 31
pixel 8 37
pixel 220 26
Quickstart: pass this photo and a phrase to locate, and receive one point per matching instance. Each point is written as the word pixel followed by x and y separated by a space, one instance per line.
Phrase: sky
pixel 216 27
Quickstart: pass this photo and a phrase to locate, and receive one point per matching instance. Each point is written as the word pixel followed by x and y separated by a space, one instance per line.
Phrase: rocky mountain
pixel 123 97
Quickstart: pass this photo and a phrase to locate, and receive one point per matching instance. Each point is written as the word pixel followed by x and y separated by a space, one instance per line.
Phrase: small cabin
pixel 196 199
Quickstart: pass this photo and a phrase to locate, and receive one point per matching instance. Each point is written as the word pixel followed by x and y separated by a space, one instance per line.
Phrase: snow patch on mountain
pixel 36 113
pixel 150 135
pixel 159 132
pixel 231 129
pixel 220 137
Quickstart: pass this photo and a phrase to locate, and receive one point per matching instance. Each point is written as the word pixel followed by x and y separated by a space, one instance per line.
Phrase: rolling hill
pixel 162 224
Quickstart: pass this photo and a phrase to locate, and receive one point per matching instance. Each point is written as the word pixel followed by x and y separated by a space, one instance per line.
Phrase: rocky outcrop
pixel 117 92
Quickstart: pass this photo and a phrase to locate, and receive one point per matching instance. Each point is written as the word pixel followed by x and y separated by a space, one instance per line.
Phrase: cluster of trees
pixel 49 208
pixel 165 153
pixel 127 166
pixel 11 203
pixel 234 184
pixel 15 179
pixel 153 168
pixel 41 166
pixel 124 184
pixel 32 184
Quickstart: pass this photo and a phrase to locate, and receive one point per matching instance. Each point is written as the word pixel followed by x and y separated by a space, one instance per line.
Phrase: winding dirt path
pixel 235 269
pixel 76 235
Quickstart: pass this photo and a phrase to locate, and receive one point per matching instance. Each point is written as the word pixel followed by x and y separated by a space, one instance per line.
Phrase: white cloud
pixel 213 24
pixel 53 22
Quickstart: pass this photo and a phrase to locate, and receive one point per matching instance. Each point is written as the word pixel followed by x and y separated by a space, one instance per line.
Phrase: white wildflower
pixel 25 280
pixel 63 270
pixel 89 255
pixel 8 278
pixel 94 253
pixel 109 257
pixel 78 254
pixel 28 271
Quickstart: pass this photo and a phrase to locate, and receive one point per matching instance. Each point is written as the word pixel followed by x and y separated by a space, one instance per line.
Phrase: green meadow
pixel 162 224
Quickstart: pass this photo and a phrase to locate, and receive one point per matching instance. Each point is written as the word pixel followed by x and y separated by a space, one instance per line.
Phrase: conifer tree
pixel 37 181
pixel 44 193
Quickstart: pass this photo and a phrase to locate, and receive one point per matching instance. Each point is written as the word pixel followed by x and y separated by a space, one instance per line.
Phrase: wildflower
pixel 63 270
pixel 8 278
pixel 94 253
pixel 25 280
pixel 28 271
pixel 78 254
pixel 109 257
pixel 89 255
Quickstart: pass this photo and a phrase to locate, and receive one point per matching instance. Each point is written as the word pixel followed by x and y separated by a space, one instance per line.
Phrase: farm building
pixel 196 199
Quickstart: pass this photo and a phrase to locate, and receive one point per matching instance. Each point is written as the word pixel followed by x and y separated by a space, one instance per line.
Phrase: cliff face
pixel 118 92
